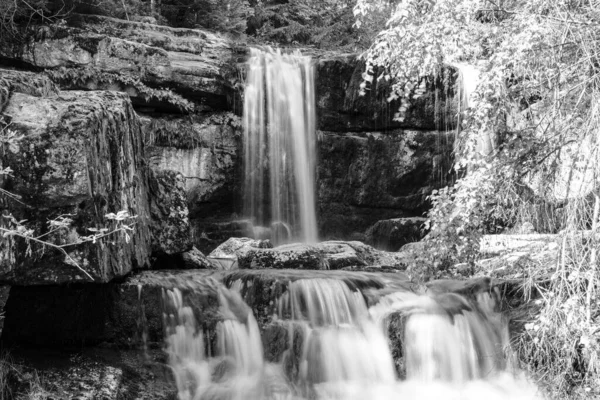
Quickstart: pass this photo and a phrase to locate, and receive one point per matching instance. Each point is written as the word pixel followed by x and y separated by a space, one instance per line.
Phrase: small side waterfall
pixel 337 348
pixel 468 79
pixel 279 145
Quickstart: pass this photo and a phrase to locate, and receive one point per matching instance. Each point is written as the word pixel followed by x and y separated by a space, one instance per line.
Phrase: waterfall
pixel 337 347
pixel 468 79
pixel 279 145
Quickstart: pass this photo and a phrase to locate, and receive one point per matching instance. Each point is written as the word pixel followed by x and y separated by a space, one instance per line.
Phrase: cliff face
pixel 132 116
pixel 80 156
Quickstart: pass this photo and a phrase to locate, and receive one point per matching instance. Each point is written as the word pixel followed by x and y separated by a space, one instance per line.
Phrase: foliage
pixel 18 13
pixel 82 76
pixel 323 23
pixel 537 95
pixel 538 99
pixel 560 343
pixel 224 16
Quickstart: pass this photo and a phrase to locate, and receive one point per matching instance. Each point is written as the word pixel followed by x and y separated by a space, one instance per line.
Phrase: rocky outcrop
pixel 206 151
pixel 363 178
pixel 79 155
pixel 341 108
pixel 103 53
pixel 391 234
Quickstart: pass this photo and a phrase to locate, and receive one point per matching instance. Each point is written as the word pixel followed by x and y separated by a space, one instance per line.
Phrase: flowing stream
pixel 279 145
pixel 338 347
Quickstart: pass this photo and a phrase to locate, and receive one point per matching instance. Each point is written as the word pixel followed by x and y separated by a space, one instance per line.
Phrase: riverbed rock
pixel 233 248
pixel 289 256
pixel 391 234
pixel 81 157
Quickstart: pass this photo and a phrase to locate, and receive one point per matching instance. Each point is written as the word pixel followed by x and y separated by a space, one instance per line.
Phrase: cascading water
pixel 468 79
pixel 337 348
pixel 279 145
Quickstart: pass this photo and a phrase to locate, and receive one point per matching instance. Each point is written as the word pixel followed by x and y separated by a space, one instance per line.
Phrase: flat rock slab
pixel 320 256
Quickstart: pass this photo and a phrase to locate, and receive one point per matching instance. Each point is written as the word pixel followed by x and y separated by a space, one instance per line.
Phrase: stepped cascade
pixel 337 347
pixel 279 145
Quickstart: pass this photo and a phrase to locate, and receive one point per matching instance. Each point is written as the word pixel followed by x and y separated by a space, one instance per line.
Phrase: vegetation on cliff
pixel 537 99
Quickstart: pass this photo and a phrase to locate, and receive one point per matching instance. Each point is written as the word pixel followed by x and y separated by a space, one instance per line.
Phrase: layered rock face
pixel 79 155
pixel 187 85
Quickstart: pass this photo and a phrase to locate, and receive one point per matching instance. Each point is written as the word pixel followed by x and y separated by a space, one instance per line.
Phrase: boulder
pixel 80 156
pixel 169 225
pixel 207 234
pixel 194 259
pixel 227 255
pixel 364 178
pixel 391 234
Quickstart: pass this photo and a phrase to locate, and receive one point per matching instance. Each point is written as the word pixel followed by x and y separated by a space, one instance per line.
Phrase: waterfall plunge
pixel 279 144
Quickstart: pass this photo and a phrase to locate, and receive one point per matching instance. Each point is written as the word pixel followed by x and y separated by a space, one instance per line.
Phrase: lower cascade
pixel 337 347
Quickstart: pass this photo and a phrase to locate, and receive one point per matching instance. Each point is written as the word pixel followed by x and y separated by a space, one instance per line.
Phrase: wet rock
pixel 391 234
pixel 169 226
pixel 364 178
pixel 234 247
pixel 289 256
pixel 340 255
pixel 341 108
pixel 209 235
pixel 81 155
pixel 120 314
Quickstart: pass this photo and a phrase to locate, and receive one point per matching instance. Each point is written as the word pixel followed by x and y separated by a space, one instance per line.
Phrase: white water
pixel 468 80
pixel 451 350
pixel 279 145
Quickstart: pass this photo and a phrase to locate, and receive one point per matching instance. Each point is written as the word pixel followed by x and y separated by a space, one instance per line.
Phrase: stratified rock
pixel 169 226
pixel 341 107
pixel 81 156
pixel 193 63
pixel 391 234
pixel 364 178
pixel 30 83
